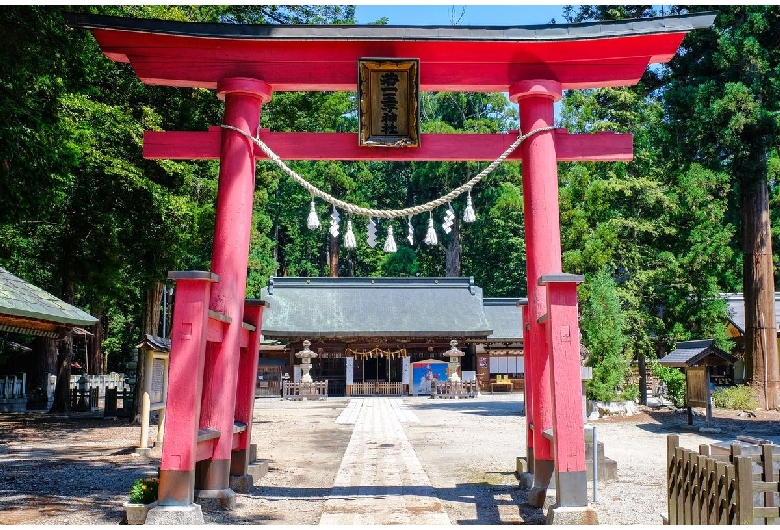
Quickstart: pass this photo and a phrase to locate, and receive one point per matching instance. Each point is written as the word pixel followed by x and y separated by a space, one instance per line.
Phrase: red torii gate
pixel 215 332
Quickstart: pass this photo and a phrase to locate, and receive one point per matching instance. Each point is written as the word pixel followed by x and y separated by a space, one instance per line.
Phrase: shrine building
pixel 373 329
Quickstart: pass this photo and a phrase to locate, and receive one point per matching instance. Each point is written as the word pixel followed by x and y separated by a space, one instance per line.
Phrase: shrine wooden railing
pixel 84 400
pixel 729 488
pixel 12 386
pixel 299 391
pixel 453 390
pixel 374 388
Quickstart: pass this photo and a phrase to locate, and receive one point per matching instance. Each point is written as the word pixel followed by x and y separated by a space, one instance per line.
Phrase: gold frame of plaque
pixel 388 109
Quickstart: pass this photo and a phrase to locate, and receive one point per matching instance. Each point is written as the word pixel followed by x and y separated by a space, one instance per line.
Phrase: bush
pixel 735 397
pixel 674 380
pixel 144 491
pixel 630 393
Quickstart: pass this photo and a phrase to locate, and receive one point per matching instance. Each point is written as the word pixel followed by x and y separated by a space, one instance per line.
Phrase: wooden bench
pixel 508 385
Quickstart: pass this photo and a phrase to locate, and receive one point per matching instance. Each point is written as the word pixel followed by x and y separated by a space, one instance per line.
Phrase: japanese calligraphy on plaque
pixel 388 93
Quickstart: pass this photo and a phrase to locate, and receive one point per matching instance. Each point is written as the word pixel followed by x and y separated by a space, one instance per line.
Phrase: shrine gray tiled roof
pixel 370 307
pixel 693 352
pixel 505 317
pixel 21 299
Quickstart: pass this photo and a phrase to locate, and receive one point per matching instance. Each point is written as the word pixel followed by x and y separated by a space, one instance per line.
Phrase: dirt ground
pixel 78 469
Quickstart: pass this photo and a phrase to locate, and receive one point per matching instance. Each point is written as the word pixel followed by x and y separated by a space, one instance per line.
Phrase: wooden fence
pixel 728 488
pixel 374 388
pixel 300 391
pixel 113 397
pixel 84 400
pixel 453 390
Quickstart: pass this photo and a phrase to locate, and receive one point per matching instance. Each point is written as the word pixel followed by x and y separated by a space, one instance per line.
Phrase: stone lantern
pixel 306 355
pixel 455 354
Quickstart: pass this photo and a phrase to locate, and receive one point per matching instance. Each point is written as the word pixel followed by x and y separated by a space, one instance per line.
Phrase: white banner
pixel 350 369
pixel 405 370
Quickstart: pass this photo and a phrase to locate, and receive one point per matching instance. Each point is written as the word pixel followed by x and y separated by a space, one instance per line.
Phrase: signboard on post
pixel 388 91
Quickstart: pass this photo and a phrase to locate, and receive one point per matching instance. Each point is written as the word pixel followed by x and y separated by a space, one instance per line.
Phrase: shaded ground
pixel 78 469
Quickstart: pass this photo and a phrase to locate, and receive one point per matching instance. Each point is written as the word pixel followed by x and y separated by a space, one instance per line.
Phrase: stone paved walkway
pixel 380 480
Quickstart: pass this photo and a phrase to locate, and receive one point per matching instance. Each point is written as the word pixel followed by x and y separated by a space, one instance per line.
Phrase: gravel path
pixel 78 469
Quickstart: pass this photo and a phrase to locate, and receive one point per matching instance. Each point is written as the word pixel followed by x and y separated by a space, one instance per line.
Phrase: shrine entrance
pixel 216 332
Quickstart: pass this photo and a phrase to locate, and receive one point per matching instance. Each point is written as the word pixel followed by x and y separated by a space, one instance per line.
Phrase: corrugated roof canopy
pixel 371 307
pixel 696 353
pixel 25 308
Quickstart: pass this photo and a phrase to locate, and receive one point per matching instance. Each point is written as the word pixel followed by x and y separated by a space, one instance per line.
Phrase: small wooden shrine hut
pixel 375 327
pixel 696 358
pixel 29 310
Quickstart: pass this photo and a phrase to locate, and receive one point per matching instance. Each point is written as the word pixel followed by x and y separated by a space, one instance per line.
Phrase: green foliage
pixel 738 397
pixel 674 379
pixel 403 262
pixel 602 327
pixel 144 491
pixel 630 393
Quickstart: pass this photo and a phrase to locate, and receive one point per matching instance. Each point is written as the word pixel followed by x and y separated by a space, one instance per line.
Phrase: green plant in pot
pixel 144 491
pixel 143 497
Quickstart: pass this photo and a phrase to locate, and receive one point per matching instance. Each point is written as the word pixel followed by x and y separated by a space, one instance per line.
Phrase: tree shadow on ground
pixel 676 422
pixel 57 466
pixel 494 504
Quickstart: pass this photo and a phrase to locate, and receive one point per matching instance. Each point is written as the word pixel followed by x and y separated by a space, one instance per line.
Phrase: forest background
pixel 85 217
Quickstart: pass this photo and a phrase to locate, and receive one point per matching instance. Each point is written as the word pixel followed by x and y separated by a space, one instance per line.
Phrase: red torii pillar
pixel 235 196
pixel 214 380
pixel 543 255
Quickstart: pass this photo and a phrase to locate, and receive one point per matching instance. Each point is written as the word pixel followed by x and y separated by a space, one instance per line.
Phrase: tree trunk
pixel 151 325
pixel 44 361
pixel 759 292
pixel 61 402
pixel 453 252
pixel 333 254
pixel 95 343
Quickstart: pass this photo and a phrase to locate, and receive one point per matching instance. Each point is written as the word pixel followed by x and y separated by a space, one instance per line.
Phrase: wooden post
pixel 563 339
pixel 543 251
pixel 145 406
pixel 235 197
pixel 528 397
pixel 245 395
pixel 744 480
pixel 708 393
pixel 187 359
pixel 672 443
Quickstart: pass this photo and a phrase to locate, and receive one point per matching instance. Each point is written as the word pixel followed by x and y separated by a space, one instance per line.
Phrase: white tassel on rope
pixel 468 214
pixel 349 237
pixel 390 242
pixel 371 226
pixel 410 234
pixel 430 237
pixel 313 221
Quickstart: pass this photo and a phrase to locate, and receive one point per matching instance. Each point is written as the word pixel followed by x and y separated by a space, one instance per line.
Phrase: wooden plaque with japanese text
pixel 388 91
